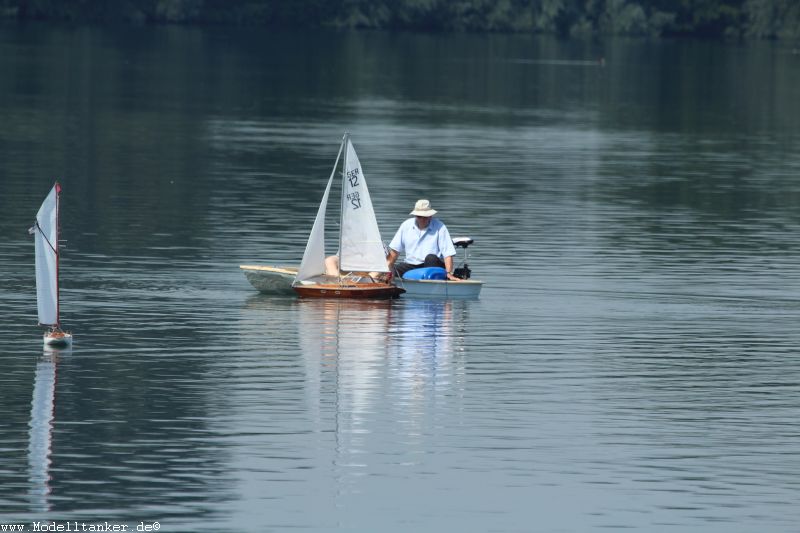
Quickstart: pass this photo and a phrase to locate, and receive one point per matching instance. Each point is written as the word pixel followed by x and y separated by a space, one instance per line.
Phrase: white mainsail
pixel 46 237
pixel 313 263
pixel 360 247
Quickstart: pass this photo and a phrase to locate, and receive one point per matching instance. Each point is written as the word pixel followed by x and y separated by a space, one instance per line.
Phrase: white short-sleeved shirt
pixel 417 243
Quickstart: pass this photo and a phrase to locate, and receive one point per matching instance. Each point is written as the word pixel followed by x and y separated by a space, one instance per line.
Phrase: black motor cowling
pixel 462 272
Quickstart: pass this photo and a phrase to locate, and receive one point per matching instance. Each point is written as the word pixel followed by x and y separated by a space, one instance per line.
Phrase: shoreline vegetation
pixel 715 19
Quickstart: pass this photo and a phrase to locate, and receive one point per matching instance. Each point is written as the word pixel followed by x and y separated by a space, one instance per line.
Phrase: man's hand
pixel 448 266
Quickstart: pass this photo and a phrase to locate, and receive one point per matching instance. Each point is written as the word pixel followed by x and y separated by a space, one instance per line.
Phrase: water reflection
pixel 389 369
pixel 422 357
pixel 41 429
pixel 344 346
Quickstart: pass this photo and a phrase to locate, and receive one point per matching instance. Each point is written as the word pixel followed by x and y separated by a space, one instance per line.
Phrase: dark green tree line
pixel 772 19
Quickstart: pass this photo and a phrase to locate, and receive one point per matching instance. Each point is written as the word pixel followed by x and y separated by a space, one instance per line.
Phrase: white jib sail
pixel 361 245
pixel 46 237
pixel 313 263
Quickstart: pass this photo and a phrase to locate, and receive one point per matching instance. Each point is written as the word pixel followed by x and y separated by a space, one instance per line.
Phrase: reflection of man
pixel 425 242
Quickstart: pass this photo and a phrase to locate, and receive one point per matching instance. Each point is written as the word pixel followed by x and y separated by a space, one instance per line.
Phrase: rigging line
pixel 38 227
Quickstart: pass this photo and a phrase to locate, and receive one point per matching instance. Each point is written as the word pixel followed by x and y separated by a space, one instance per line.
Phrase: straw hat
pixel 423 209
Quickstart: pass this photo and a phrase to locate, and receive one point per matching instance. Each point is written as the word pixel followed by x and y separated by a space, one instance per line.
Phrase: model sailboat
pixel 361 252
pixel 46 234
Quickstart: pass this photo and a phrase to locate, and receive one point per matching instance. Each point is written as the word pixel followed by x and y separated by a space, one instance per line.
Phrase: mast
pixel 58 255
pixel 345 142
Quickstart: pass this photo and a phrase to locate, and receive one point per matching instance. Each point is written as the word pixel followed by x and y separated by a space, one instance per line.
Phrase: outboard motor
pixel 463 271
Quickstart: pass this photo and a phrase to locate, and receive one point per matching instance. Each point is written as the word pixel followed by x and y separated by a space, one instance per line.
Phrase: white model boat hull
pixel 430 288
pixel 270 280
pixel 58 339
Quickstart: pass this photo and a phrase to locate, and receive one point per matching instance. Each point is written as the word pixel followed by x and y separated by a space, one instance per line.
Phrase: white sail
pixel 313 263
pixel 46 236
pixel 361 247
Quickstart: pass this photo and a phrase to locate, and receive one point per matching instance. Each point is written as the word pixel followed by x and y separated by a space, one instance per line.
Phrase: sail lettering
pixel 355 199
pixel 352 177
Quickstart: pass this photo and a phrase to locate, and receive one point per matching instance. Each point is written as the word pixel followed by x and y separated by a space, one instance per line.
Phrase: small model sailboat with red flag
pixel 46 232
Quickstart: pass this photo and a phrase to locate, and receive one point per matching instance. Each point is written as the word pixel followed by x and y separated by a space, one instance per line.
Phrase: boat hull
pixel 430 288
pixel 57 339
pixel 270 280
pixel 372 291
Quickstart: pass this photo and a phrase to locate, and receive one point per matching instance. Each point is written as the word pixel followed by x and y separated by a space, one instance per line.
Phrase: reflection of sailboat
pixel 344 345
pixel 353 342
pixel 46 234
pixel 378 380
pixel 41 430
pixel 367 363
pixel 349 338
pixel 360 245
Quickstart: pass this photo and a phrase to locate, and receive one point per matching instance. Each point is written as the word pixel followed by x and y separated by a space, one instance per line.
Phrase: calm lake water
pixel 633 361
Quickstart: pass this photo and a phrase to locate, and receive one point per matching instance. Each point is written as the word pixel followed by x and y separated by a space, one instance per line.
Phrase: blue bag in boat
pixel 426 273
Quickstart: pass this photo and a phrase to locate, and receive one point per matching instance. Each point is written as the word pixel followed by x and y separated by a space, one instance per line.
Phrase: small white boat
pixel 433 288
pixel 46 232
pixel 466 288
pixel 56 337
pixel 270 279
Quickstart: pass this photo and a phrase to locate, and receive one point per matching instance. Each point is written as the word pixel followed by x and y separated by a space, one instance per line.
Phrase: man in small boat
pixel 425 242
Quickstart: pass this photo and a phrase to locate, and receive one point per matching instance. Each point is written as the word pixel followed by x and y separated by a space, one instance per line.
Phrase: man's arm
pixel 395 247
pixel 448 250
pixel 448 265
pixel 390 260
